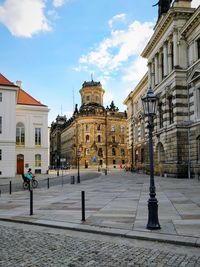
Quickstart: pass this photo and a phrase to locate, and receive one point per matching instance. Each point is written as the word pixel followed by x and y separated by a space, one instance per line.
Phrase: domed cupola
pixel 92 92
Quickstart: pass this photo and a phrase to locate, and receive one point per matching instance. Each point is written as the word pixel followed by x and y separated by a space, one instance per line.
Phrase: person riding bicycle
pixel 29 176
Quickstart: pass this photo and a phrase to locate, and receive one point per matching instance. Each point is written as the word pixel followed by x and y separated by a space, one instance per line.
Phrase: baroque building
pixel 173 54
pixel 97 133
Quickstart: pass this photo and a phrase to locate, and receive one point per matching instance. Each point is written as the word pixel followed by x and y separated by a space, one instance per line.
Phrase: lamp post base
pixel 153 223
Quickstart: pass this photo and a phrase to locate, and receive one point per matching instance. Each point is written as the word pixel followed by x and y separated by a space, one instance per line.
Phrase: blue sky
pixel 53 46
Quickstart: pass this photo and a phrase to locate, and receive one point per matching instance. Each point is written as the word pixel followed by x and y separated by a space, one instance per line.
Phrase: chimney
pixel 19 83
pixel 182 3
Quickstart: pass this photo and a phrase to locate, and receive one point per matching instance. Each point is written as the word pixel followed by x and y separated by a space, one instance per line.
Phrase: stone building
pixel 98 133
pixel 173 55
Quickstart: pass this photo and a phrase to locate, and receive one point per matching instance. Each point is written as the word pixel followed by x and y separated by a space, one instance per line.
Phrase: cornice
pixel 163 24
pixel 193 22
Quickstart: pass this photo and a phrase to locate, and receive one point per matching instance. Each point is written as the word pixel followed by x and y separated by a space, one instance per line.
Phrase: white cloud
pixel 119 17
pixel 195 3
pixel 136 69
pixel 119 50
pixel 25 17
pixel 58 3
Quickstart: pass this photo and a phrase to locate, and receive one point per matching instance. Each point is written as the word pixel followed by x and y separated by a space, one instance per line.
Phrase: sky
pixel 53 46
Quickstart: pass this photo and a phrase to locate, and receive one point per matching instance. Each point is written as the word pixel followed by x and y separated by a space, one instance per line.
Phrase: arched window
pixel 113 128
pixel 37 160
pixel 87 128
pixel 87 138
pixel 100 152
pixel 99 138
pixel 113 152
pixel 20 134
pixel 198 148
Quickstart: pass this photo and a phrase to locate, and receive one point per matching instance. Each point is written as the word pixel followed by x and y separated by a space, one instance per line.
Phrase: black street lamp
pixel 150 105
pixel 78 161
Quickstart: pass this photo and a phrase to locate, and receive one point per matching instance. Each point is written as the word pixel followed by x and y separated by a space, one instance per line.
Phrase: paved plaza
pixel 116 204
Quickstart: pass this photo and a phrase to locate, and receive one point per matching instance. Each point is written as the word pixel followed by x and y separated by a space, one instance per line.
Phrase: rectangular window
pixel 0 154
pixel 87 98
pixel 38 160
pixel 198 48
pixel 0 97
pixel 38 136
pixel 0 125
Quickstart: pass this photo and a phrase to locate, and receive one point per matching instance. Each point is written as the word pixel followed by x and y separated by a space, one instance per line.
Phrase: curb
pixel 163 238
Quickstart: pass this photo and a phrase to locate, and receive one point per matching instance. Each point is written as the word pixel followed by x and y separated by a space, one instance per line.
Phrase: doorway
pixel 20 164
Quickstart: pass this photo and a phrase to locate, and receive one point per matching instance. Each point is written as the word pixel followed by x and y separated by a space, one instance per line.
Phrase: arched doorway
pixel 20 164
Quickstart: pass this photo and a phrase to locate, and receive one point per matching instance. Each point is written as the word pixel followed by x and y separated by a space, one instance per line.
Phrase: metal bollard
pixel 48 182
pixel 10 187
pixel 0 193
pixel 83 204
pixel 72 179
pixel 57 172
pixel 105 171
pixel 31 201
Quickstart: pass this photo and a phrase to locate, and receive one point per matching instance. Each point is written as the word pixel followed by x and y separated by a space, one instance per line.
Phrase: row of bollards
pixel 82 203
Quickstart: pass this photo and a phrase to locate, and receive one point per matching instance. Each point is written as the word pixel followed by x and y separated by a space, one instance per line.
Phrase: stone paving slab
pixel 113 205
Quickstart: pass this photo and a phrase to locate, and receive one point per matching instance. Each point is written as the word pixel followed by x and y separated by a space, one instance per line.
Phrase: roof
pixel 25 99
pixel 5 82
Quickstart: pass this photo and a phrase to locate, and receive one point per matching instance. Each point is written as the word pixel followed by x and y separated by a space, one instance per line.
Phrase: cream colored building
pixel 173 54
pixel 98 133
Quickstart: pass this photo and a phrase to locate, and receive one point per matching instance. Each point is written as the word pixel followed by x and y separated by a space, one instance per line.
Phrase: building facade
pixel 24 138
pixel 95 133
pixel 173 55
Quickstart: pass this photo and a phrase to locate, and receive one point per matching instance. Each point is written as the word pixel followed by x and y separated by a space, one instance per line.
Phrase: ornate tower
pixel 92 92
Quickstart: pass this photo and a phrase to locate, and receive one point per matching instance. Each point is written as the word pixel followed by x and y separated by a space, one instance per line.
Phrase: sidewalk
pixel 116 204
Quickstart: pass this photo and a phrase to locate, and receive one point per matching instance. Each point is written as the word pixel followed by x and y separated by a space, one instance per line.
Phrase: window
pixel 122 139
pixel 198 148
pixel 87 98
pixel 87 128
pixel 0 97
pixel 37 136
pixel 113 139
pixel 171 112
pixel 87 138
pixel 160 111
pixel 142 155
pixel 122 129
pixel 113 152
pixel 98 127
pixel 87 151
pixel 20 134
pixel 136 133
pixel 122 152
pixel 99 138
pixel 37 160
pixel 0 154
pixel 0 125
pixel 100 152
pixel 97 98
pixel 198 48
pixel 113 128
pixel 114 161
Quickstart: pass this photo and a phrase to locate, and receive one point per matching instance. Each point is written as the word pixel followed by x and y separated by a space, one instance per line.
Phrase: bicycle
pixel 26 182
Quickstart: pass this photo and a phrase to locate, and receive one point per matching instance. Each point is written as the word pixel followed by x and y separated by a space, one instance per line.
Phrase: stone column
pixel 169 48
pixel 156 69
pixel 149 74
pixel 160 74
pixel 152 75
pixel 175 48
pixel 165 59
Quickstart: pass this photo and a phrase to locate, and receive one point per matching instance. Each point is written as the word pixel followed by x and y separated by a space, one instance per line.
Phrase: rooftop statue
pixel 163 6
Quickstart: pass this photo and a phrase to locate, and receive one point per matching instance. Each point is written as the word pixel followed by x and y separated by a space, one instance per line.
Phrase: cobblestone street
pixel 25 245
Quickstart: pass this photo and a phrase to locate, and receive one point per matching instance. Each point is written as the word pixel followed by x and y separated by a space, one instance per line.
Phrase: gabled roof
pixel 5 82
pixel 25 99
